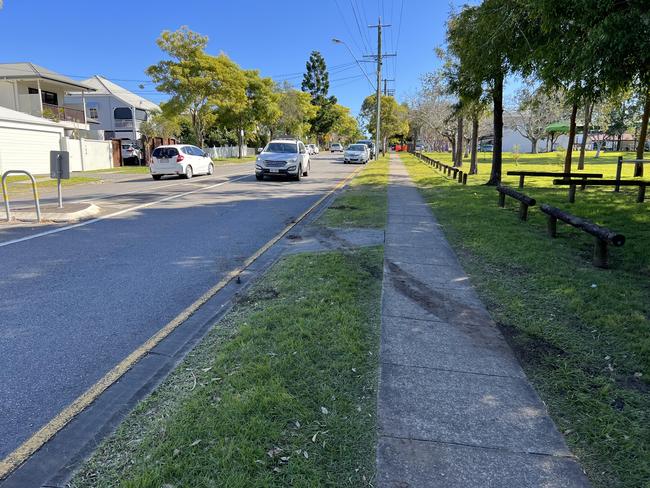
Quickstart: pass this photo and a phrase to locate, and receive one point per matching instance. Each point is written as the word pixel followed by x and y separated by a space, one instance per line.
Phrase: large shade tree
pixel 489 43
pixel 198 83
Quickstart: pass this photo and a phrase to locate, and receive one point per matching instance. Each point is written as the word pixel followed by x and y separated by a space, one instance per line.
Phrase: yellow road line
pixel 45 433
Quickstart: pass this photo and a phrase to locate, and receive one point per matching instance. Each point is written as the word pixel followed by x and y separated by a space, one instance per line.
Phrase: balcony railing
pixel 57 113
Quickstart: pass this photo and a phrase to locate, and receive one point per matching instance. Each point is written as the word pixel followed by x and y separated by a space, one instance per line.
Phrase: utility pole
pixel 379 56
pixel 388 92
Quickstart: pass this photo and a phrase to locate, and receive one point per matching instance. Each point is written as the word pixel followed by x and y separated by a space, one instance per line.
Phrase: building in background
pixel 116 111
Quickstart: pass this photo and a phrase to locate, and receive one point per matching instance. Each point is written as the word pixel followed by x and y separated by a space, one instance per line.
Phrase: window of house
pixel 122 113
pixel 93 113
pixel 140 114
pixel 48 97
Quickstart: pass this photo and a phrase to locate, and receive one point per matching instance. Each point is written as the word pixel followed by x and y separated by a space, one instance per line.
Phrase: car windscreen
pixel 281 147
pixel 367 143
pixel 357 147
pixel 164 152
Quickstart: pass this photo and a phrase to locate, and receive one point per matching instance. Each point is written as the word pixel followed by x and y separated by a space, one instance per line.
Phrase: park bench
pixel 603 236
pixel 551 174
pixel 524 200
pixel 615 183
pixel 619 168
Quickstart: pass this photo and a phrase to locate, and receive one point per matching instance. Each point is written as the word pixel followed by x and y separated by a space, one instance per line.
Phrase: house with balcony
pixel 114 109
pixel 40 92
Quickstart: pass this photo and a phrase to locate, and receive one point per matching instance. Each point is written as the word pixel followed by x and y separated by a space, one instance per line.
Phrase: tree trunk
pixel 598 146
pixel 572 138
pixel 643 135
pixel 473 167
pixel 533 144
pixel 497 102
pixel 618 142
pixel 585 133
pixel 459 146
pixel 452 141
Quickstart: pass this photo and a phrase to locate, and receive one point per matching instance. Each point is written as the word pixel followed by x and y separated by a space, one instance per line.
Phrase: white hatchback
pixel 180 160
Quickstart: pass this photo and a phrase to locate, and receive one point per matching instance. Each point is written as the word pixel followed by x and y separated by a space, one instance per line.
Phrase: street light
pixel 339 41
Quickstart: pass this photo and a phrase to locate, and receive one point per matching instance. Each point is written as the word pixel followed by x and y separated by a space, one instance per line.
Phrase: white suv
pixel 181 160
pixel 288 157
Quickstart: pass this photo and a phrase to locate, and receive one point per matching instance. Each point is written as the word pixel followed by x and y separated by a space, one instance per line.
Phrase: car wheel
pixel 259 177
pixel 306 173
pixel 299 173
pixel 210 169
pixel 156 177
pixel 188 173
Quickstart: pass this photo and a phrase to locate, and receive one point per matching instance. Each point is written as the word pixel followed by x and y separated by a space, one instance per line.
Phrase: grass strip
pixel 280 393
pixel 582 334
pixel 365 202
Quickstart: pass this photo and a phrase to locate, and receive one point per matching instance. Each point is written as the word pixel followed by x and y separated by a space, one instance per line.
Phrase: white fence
pixel 87 154
pixel 228 151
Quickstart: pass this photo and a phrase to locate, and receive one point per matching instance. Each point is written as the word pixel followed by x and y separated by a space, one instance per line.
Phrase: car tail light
pixel 179 158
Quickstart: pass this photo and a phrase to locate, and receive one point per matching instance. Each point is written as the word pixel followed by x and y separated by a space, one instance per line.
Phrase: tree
pixel 316 83
pixel 260 108
pixel 535 110
pixel 393 117
pixel 296 112
pixel 489 42
pixel 160 125
pixel 346 128
pixel 197 82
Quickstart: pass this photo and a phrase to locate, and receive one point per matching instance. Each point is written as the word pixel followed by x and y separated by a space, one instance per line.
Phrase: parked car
pixel 370 144
pixel 131 153
pixel 286 157
pixel 419 147
pixel 356 153
pixel 181 160
pixel 486 148
pixel 336 147
pixel 315 149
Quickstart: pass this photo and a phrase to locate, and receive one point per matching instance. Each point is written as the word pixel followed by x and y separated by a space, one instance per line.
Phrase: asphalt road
pixel 76 302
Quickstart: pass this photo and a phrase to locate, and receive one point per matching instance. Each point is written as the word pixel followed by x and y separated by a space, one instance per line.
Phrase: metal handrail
pixel 5 192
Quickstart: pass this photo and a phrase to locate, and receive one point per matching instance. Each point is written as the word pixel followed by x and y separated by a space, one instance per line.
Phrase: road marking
pixel 45 433
pixel 115 214
pixel 175 183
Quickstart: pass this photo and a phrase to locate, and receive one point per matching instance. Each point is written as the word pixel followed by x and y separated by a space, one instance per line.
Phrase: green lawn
pixel 581 333
pixel 605 164
pixel 281 393
pixel 364 203
pixel 21 184
pixel 245 159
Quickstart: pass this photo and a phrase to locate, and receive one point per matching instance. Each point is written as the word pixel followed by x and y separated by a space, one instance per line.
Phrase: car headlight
pixel 291 168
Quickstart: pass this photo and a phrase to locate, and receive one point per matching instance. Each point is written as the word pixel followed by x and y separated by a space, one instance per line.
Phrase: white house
pixel 34 90
pixel 116 110
pixel 34 121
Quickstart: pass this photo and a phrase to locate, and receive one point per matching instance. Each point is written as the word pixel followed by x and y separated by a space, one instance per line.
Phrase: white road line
pixel 175 183
pixel 115 214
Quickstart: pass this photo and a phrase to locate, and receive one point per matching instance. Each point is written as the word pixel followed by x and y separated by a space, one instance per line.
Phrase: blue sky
pixel 117 39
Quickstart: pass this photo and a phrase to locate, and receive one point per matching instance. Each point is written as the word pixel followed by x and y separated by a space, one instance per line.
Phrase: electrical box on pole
pixel 60 169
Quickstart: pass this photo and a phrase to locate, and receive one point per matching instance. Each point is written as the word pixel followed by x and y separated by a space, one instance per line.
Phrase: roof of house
pixel 21 71
pixel 15 116
pixel 103 86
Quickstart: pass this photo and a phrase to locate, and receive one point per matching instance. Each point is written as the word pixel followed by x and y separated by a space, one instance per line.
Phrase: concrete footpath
pixel 455 408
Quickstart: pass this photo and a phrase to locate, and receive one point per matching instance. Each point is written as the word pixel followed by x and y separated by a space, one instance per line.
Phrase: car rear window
pixel 281 147
pixel 165 152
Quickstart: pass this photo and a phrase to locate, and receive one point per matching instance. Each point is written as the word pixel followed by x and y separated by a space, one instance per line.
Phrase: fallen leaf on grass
pixel 324 411
pixel 195 443
pixel 274 452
